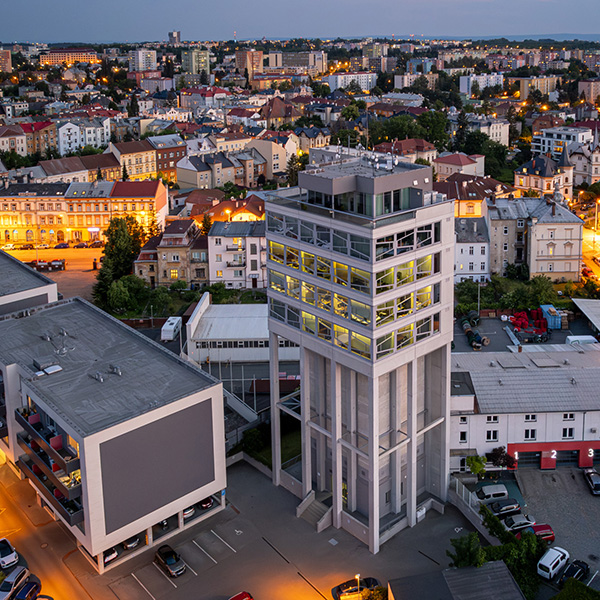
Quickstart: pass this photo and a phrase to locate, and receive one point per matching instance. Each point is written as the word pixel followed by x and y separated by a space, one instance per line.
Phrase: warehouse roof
pixel 233 322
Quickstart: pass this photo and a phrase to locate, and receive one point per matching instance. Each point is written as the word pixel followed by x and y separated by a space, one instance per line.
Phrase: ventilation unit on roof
pixel 44 362
pixel 115 369
pixel 98 377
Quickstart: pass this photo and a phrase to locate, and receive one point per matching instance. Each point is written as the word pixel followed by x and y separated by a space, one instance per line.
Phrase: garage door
pixel 596 456
pixel 567 458
pixel 529 460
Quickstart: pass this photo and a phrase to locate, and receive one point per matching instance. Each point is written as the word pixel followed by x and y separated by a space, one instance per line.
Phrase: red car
pixel 587 272
pixel 242 596
pixel 544 532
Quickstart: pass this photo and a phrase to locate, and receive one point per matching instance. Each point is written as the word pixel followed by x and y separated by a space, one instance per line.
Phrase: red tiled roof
pixel 135 146
pixel 458 159
pixel 36 126
pixel 135 189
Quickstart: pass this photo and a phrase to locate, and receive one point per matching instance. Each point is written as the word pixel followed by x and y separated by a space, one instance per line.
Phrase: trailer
pixel 171 329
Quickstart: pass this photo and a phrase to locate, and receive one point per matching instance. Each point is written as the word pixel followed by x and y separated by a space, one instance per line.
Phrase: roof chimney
pixel 553 209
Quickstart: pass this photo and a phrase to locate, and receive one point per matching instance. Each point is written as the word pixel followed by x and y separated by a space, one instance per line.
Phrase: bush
pixel 575 590
pixel 253 441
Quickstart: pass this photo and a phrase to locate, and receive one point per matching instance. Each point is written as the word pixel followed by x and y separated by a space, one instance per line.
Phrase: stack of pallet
pixel 564 319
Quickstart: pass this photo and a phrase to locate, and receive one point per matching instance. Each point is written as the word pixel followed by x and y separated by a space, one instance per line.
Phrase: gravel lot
pixel 562 499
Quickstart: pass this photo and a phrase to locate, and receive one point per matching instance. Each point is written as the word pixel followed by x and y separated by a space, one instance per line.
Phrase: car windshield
pixel 171 558
pixel 5 549
pixel 6 586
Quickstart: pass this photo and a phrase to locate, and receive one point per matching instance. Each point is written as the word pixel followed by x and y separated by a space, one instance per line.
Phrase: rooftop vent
pixel 500 382
pixel 573 381
pixel 98 377
pixel 115 369
pixel 492 363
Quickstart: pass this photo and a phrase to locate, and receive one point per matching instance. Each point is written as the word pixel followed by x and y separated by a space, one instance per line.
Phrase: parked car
pixel 110 555
pixel 492 493
pixel 132 542
pixel 8 555
pixel 517 522
pixel 8 247
pixel 42 246
pixel 242 596
pixel 170 561
pixel 188 512
pixel 503 508
pixel 60 246
pixel 26 247
pixel 543 531
pixel 207 503
pixel 13 581
pixel 592 478
pixel 30 591
pixel 350 589
pixel 96 244
pixel 552 562
pixel 587 272
pixel 81 245
pixel 578 569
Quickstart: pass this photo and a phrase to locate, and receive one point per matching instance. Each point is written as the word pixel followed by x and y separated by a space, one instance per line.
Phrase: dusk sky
pixel 136 20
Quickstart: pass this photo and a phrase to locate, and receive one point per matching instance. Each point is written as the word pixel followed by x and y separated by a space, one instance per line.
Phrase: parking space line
pixel 230 547
pixel 143 587
pixel 592 579
pixel 205 552
pixel 165 575
pixel 190 568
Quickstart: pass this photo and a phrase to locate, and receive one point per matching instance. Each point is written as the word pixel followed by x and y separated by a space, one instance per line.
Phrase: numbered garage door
pixel 529 460
pixel 596 457
pixel 567 458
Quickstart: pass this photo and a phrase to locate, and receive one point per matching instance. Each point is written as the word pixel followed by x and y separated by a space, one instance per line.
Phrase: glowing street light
pixel 357 577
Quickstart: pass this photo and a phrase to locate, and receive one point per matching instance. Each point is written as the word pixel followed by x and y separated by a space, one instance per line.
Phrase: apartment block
pixel 484 80
pixel 252 60
pixel 69 56
pixel 5 61
pixel 366 81
pixel 554 140
pixel 142 60
pixel 195 61
pixel 138 158
pixel 361 263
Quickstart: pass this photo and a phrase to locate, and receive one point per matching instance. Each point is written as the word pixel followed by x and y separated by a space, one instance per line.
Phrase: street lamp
pixel 357 577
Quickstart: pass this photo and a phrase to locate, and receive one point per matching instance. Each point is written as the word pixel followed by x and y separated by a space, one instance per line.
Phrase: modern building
pixel 546 84
pixel 484 80
pixel 237 254
pixel 361 266
pixel 541 406
pixel 409 79
pixel 195 61
pixel 142 60
pixel 590 88
pixel 84 412
pixel 366 81
pixel 69 56
pixel 472 250
pixel 552 141
pixel 250 60
pixel 174 38
pixel 5 61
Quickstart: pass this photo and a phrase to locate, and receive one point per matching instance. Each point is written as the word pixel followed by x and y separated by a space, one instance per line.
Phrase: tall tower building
pixel 249 59
pixel 174 37
pixel 195 61
pixel 360 261
pixel 142 60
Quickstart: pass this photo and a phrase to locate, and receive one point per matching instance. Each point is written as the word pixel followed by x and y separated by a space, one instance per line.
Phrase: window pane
pixel 323 237
pixel 341 336
pixel 308 293
pixel 324 331
pixel 291 258
pixel 384 313
pixel 405 336
pixel 404 273
pixel 293 287
pixel 384 281
pixel 340 273
pixel 424 266
pixel 384 248
pixel 276 252
pixel 308 263
pixel 276 281
pixel 360 280
pixel 361 313
pixel 275 223
pixel 424 297
pixel 385 345
pixel 406 241
pixel 307 233
pixel 423 328
pixel 361 345
pixel 340 242
pixel 324 299
pixel 293 317
pixel 309 323
pixel 323 268
pixel 277 310
pixel 405 305
pixel 437 233
pixel 291 227
pixel 360 247
pixel 340 306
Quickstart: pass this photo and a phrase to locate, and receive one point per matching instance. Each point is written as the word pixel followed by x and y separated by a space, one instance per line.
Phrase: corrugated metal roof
pixel 590 308
pixel 233 322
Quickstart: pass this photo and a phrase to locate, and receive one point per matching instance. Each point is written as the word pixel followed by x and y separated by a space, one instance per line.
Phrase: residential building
pixel 137 158
pixel 81 168
pixel 553 140
pixel 251 60
pixel 423 65
pixel 495 128
pixel 229 141
pixel 274 154
pixel 360 266
pixel 170 149
pixel 237 254
pixel 142 60
pixel 312 137
pixel 68 56
pixel 542 174
pixel 410 149
pixel 409 79
pixel 5 61
pixel 40 136
pixel 205 172
pixel 366 81
pixel 13 138
pixel 201 98
pixel 21 288
pixel 74 134
pixel 472 250
pixel 447 164
pixel 195 61
pixel 174 38
pixel 484 80
pixel 590 88
pixel 542 410
pixel 585 159
pixel 277 112
pixel 546 84
pixel 78 401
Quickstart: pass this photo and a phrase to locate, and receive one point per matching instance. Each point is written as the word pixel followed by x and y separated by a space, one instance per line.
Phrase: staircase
pixel 314 512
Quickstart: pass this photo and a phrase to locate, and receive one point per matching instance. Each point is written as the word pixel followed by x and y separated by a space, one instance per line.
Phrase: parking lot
pixel 562 499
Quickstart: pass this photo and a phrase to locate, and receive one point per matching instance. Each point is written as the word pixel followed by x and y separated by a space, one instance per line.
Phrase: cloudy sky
pixel 136 20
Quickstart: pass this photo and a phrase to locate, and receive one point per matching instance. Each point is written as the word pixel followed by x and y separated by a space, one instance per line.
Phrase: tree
pixel 104 279
pixel 500 458
pixel 542 290
pixel 124 239
pixel 125 175
pixel 206 224
pixel 475 91
pixel 99 176
pixel 292 169
pixel 350 112
pixel 461 131
pixel 377 91
pixel 354 87
pixel 467 551
pixel 435 125
pixel 118 297
pixel 203 77
pixel 320 90
pixel 476 464
pixel 133 108
pixel 531 193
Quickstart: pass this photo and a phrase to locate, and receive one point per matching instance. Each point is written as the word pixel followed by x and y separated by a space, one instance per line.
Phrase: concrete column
pixel 322 390
pixel 336 448
pixel 275 415
pixel 374 464
pixel 352 459
pixel 304 428
pixel 411 450
pixel 445 427
pixel 396 458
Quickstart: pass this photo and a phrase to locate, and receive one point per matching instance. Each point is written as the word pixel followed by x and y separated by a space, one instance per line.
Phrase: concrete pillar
pixel 396 458
pixel 336 448
pixel 411 451
pixel 275 414
pixel 304 427
pixel 445 427
pixel 352 459
pixel 374 464
pixel 322 475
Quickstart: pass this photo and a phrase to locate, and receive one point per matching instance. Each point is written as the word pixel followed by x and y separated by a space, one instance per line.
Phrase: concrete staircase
pixel 314 512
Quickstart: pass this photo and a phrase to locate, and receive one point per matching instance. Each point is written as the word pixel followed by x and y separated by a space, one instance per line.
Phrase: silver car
pixel 518 522
pixel 13 581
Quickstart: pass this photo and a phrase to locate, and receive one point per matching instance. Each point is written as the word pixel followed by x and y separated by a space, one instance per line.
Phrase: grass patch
pixel 291 446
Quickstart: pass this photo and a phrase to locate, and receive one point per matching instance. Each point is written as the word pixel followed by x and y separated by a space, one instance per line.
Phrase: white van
pixel 580 339
pixel 170 330
pixel 552 562
pixel 492 493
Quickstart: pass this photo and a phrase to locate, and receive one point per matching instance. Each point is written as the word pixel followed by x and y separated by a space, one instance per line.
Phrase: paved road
pixel 42 542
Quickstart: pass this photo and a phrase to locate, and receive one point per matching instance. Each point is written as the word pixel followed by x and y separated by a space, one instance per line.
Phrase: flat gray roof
pixel 591 309
pixel 17 277
pixel 234 322
pixel 533 382
pixel 151 376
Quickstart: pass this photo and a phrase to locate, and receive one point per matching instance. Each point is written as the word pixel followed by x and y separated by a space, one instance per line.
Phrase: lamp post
pixel 357 577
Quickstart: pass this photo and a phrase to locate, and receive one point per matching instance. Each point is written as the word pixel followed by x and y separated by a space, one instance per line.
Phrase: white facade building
pixel 496 129
pixel 360 277
pixel 472 250
pixel 555 139
pixel 484 80
pixel 74 134
pixel 367 81
pixel 142 60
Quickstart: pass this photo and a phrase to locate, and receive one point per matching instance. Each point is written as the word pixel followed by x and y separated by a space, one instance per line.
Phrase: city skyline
pixel 137 22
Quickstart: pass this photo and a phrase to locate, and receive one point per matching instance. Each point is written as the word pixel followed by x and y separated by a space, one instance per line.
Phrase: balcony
pixel 68 485
pixel 237 264
pixel 49 441
pixel 235 248
pixel 70 510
